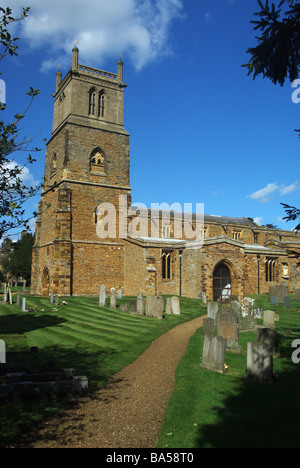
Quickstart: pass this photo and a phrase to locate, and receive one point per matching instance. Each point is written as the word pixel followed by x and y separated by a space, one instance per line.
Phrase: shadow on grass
pixel 18 324
pixel 257 415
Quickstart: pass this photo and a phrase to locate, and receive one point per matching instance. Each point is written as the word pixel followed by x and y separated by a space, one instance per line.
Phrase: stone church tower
pixel 87 164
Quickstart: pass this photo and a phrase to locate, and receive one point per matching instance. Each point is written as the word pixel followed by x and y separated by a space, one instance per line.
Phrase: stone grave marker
pixel 259 362
pixel 272 292
pixel 287 302
pixel 10 296
pixel 281 293
pixel 208 326
pixel 120 294
pixel 269 337
pixel 212 309
pixel 227 326
pixel 297 295
pixel 123 308
pixel 56 300
pixel 213 353
pixel 18 300
pixel 173 305
pixel 102 296
pixel 269 319
pixel 155 307
pixel 51 298
pixel 140 305
pixel 274 300
pixel 113 299
pixel 24 305
pixel 132 306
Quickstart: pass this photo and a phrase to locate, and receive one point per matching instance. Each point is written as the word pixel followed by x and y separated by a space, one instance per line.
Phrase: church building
pixel 88 234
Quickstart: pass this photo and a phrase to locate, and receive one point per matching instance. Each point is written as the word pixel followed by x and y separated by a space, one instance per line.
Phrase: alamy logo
pixel 2 92
pixel 296 93
pixel 296 354
pixel 2 352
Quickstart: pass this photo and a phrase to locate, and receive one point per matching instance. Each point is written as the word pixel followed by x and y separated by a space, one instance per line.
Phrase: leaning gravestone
pixel 102 296
pixel 213 353
pixel 269 319
pixel 113 299
pixel 155 307
pixel 259 362
pixel 212 309
pixel 227 326
pixel 297 295
pixel 274 301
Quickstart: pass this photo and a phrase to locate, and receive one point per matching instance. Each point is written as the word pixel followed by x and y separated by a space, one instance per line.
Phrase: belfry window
pixel 92 102
pixel 97 160
pixel 101 104
pixel 166 258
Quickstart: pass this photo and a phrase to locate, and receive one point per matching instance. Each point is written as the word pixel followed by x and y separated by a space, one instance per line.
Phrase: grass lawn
pixel 96 341
pixel 210 410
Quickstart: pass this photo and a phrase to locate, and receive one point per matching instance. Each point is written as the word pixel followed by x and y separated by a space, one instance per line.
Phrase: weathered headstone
pixel 2 352
pixel 203 297
pixel 274 301
pixel 102 296
pixel 212 309
pixel 56 300
pixel 113 299
pixel 269 319
pixel 18 300
pixel 140 305
pixel 281 293
pixel 24 304
pixel 155 307
pixel 132 306
pixel 168 306
pixel 227 326
pixel 297 295
pixel 259 362
pixel 270 337
pixel 287 302
pixel 120 294
pixel 272 292
pixel 51 298
pixel 213 353
pixel 173 305
pixel 208 326
pixel 10 296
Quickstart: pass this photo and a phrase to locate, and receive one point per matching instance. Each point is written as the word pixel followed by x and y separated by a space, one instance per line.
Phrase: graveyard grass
pixel 212 410
pixel 95 341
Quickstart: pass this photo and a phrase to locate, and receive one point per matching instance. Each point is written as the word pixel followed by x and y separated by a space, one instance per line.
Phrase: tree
pixel 18 263
pixel 277 55
pixel 13 192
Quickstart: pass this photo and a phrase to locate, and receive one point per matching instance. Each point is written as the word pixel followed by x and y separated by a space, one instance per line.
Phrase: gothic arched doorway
pixel 222 282
pixel 46 283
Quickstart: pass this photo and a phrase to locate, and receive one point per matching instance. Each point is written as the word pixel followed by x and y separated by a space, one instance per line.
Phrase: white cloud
pixel 104 28
pixel 265 194
pixel 25 176
pixel 258 220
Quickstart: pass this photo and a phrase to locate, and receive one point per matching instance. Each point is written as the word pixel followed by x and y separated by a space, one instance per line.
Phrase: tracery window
pixel 166 258
pixel 271 269
pixel 101 104
pixel 97 160
pixel 92 102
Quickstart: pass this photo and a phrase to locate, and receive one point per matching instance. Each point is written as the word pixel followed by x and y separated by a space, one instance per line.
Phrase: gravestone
pixel 51 298
pixel 281 293
pixel 155 307
pixel 297 295
pixel 24 305
pixel 123 308
pixel 120 294
pixel 269 319
pixel 132 306
pixel 208 326
pixel 259 362
pixel 140 305
pixel 287 302
pixel 269 337
pixel 10 296
pixel 274 301
pixel 212 309
pixel 173 305
pixel 113 299
pixel 227 326
pixel 213 353
pixel 272 292
pixel 18 300
pixel 56 300
pixel 102 296
pixel 5 296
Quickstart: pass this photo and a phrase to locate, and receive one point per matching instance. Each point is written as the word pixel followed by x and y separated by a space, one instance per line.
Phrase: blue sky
pixel 202 131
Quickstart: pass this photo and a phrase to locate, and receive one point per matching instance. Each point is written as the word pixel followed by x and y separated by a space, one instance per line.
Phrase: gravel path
pixel 129 411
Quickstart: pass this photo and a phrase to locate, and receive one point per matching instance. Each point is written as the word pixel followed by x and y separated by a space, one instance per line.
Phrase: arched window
pixel 92 102
pixel 97 160
pixel 166 258
pixel 101 104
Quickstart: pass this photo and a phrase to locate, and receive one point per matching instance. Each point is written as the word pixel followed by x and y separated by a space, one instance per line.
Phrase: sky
pixel 201 130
